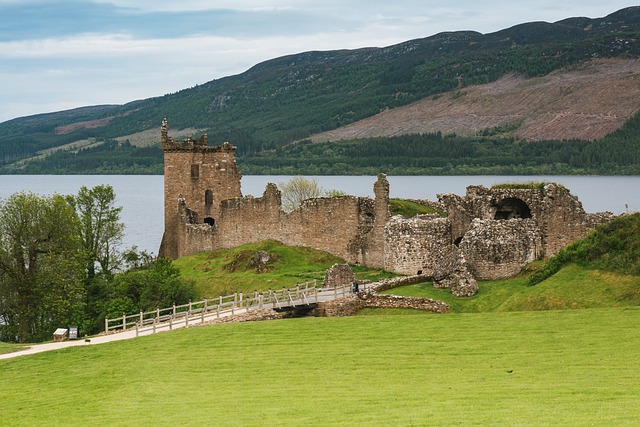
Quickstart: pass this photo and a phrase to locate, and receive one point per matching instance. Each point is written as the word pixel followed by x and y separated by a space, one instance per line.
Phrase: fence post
pixel 315 291
pixel 157 316
pixel 155 319
pixel 136 329
pixel 335 291
pixel 219 304
pixel 124 322
pixel 204 310
pixel 174 310
pixel 106 324
pixel 260 300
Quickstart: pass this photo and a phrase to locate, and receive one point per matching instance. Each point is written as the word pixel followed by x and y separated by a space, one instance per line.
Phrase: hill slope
pixel 290 98
pixel 586 102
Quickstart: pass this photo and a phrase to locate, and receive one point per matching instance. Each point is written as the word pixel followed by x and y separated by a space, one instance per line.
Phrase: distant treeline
pixel 437 154
pixel 109 158
pixel 416 154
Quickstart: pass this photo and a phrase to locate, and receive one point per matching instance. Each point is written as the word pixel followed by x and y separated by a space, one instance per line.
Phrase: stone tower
pixel 200 176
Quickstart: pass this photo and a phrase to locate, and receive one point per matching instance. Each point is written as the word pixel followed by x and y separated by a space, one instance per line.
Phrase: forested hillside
pixel 284 100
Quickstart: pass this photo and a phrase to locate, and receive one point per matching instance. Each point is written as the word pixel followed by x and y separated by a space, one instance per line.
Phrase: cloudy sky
pixel 61 54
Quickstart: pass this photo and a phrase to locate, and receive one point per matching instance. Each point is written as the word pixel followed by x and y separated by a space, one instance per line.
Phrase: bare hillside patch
pixel 587 102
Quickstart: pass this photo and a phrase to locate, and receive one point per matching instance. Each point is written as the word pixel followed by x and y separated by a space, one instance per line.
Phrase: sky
pixel 62 54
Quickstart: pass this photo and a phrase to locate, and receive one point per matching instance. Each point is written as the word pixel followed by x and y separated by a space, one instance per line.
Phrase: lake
pixel 141 196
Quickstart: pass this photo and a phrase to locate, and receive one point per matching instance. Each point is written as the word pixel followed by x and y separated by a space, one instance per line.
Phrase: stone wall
pixel 499 249
pixel 346 226
pixel 558 214
pixel 338 275
pixel 413 246
pixel 350 305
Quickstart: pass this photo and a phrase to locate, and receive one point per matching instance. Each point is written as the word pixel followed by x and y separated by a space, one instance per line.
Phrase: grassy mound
pixel 572 287
pixel 612 247
pixel 226 271
pixel 409 209
pixel 575 367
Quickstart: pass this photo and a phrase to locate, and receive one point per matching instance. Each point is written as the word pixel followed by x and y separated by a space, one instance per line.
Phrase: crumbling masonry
pixel 490 233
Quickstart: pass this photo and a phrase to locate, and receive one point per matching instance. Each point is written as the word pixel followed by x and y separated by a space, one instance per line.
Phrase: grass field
pixel 8 348
pixel 564 367
pixel 562 352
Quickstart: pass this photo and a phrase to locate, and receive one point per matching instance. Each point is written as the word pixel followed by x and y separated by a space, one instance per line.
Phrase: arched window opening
pixel 512 208
pixel 458 241
pixel 208 198
pixel 195 171
pixel 210 221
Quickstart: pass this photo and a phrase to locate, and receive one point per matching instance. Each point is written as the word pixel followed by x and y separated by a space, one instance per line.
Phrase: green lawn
pixel 562 367
pixel 8 348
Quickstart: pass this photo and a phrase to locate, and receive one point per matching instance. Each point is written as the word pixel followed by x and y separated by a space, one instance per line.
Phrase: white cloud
pixel 52 72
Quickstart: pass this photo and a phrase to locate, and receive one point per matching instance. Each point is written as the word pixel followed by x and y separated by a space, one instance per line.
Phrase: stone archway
pixel 512 208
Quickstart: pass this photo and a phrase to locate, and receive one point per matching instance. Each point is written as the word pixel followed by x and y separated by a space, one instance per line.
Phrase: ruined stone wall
pixel 338 275
pixel 350 305
pixel 414 245
pixel 557 213
pixel 499 249
pixel 249 219
pixel 375 255
pixel 563 220
pixel 338 225
pixel 344 226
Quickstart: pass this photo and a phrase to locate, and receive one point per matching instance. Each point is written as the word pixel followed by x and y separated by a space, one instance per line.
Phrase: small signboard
pixel 60 334
pixel 73 332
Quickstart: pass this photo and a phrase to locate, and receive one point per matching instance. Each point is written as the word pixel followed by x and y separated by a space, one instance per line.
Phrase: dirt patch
pixel 586 102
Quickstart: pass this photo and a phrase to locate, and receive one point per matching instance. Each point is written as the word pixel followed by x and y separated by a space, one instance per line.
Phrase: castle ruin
pixel 490 233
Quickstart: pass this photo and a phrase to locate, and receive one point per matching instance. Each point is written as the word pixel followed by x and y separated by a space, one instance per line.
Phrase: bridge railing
pixel 199 311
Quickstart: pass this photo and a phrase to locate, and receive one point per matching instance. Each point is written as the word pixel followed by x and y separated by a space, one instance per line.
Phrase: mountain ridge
pixel 286 99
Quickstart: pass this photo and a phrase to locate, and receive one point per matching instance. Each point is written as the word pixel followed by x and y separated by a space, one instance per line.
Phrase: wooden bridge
pixel 179 316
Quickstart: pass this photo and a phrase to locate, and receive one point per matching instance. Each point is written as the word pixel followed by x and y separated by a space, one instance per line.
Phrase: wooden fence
pixel 199 311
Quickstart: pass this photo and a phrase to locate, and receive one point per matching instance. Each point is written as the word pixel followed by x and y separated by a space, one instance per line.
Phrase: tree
pixel 40 270
pixel 100 228
pixel 157 285
pixel 298 189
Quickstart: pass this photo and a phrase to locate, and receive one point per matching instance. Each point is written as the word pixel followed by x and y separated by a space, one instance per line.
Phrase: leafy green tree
pixel 100 228
pixel 334 193
pixel 298 189
pixel 41 274
pixel 158 285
